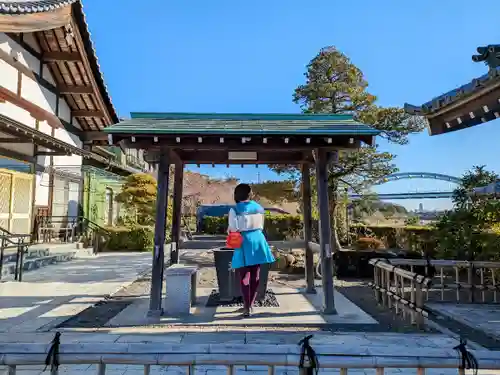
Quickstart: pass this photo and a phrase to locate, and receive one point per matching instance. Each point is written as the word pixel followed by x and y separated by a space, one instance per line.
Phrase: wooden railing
pixel 270 357
pixel 457 281
pixel 400 289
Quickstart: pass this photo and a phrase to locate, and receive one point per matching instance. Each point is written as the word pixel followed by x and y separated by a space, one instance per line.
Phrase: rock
pixel 290 260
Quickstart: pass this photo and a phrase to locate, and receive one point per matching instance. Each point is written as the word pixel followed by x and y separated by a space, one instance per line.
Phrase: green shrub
pixel 130 238
pixel 419 239
pixel 214 225
pixel 283 227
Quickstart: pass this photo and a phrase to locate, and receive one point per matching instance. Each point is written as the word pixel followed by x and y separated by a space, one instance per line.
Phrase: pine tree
pixel 335 85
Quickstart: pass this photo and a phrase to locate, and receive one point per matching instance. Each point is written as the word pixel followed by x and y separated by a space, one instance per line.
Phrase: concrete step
pixel 30 264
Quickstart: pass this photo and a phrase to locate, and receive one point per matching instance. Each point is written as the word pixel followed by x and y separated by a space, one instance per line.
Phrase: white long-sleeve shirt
pixel 246 222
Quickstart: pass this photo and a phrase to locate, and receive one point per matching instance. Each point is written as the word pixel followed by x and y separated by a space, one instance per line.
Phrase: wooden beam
pixel 325 235
pixel 53 56
pixel 155 300
pixel 234 142
pixel 52 153
pixel 177 212
pixel 93 136
pixel 308 232
pixel 75 89
pixel 16 140
pixel 221 157
pixel 87 113
pixel 86 63
pixel 35 111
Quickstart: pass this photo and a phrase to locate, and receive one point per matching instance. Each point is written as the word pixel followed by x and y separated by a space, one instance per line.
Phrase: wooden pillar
pixel 159 240
pixel 322 159
pixel 307 214
pixel 177 212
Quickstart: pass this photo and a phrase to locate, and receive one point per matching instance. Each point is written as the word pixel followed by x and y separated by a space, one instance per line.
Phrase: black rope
pixel 52 358
pixel 468 361
pixel 312 358
pixel 431 270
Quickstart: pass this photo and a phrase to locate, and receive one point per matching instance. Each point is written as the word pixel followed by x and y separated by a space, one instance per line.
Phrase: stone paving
pixel 485 317
pixel 55 293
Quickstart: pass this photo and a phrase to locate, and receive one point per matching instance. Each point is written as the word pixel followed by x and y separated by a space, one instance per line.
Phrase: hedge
pixel 288 227
pixel 130 238
pixel 277 227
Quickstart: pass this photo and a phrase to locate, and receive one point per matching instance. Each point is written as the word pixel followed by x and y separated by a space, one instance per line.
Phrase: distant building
pixel 421 207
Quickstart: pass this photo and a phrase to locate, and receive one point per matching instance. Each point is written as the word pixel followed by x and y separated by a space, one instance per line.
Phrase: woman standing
pixel 248 218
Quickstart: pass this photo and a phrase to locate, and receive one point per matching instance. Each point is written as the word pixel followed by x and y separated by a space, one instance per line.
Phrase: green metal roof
pixel 247 123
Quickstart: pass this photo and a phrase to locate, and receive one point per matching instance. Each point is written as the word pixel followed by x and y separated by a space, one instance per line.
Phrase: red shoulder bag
pixel 234 240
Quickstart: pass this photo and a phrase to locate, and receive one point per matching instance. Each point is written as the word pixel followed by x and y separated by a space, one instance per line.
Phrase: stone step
pixel 30 264
pixel 39 250
pixel 11 254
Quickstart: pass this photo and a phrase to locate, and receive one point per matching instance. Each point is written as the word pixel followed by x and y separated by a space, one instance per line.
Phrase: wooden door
pixel 22 201
pixel 16 199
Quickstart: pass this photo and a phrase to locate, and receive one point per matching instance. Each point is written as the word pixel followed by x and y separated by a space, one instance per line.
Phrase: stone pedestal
pixel 180 289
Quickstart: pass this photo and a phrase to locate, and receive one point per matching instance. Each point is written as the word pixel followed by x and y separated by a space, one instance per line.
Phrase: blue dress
pixel 254 249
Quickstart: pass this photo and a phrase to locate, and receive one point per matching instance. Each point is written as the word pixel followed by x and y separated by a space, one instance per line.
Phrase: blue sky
pixel 234 56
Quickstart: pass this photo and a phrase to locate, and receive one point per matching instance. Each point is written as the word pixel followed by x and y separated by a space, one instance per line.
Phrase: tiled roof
pixel 263 124
pixel 24 7
pixel 462 92
pixel 20 6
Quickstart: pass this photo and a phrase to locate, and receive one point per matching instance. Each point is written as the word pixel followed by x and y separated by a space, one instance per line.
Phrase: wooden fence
pixel 270 357
pixel 457 281
pixel 400 289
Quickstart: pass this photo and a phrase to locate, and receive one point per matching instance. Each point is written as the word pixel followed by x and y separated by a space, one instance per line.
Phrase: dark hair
pixel 242 193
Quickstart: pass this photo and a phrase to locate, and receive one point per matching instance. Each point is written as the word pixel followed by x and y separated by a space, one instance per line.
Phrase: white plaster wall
pixel 31 41
pixel 42 189
pixel 73 162
pixel 14 112
pixel 76 124
pixel 64 110
pixel 38 95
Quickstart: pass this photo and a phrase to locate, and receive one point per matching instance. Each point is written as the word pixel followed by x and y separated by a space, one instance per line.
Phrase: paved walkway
pixel 53 294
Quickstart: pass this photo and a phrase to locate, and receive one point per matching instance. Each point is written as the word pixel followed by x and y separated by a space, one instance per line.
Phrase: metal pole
pixel 322 159
pixel 177 212
pixel 346 200
pixel 307 214
pixel 159 240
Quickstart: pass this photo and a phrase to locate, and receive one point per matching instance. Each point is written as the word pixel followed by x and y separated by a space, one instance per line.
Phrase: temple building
pixel 471 104
pixel 53 102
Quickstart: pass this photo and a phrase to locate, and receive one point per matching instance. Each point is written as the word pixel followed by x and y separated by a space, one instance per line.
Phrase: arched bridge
pixel 419 175
pixel 417 195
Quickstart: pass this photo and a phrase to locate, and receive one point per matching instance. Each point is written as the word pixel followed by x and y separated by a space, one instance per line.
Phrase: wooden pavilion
pixel 191 138
pixel 471 104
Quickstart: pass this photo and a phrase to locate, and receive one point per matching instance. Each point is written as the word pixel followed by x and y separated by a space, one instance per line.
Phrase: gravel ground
pixel 98 315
